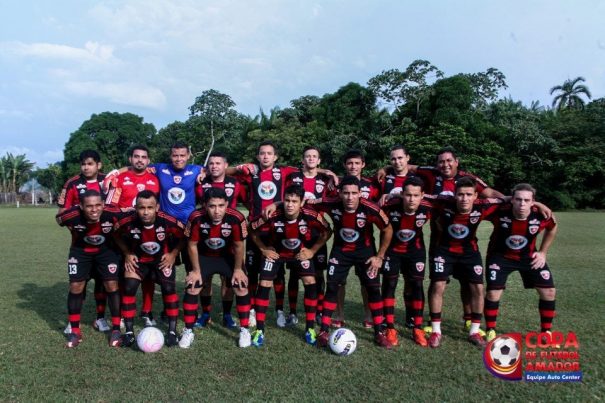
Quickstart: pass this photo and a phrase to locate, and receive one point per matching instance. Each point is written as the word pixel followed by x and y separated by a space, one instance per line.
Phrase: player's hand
pixel 247 169
pixel 544 210
pixel 374 265
pixel 270 253
pixel 239 279
pixel 384 199
pixel 304 254
pixel 201 176
pixel 194 277
pixel 333 175
pixel 131 263
pixel 111 180
pixel 381 174
pixel 167 261
pixel 269 210
pixel 127 209
pixel 538 260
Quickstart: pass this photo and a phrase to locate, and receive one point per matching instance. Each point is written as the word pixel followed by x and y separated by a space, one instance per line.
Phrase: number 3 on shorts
pixel 492 274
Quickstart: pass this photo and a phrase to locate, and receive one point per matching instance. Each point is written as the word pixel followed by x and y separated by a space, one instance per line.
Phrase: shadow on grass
pixel 50 303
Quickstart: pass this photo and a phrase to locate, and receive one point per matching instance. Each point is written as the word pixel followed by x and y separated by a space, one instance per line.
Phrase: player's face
pixel 139 160
pixel 354 166
pixel 179 157
pixel 399 161
pixel 350 195
pixel 522 202
pixel 216 208
pixel 147 210
pixel 311 159
pixel 266 157
pixel 217 167
pixel 465 197
pixel 447 165
pixel 292 205
pixel 92 207
pixel 90 168
pixel 412 196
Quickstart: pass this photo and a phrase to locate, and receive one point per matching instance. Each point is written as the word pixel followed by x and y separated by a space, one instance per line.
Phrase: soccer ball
pixel 342 341
pixel 150 340
pixel 505 351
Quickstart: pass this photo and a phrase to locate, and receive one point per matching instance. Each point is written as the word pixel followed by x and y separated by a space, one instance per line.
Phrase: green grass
pixel 34 365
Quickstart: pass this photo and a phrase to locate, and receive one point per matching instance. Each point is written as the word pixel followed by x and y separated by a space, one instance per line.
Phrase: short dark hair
pixel 86 154
pixel 138 147
pixel 447 149
pixel 295 190
pixel 307 148
pixel 524 186
pixel 413 181
pixel 267 143
pixel 353 154
pixel 179 144
pixel 89 193
pixel 218 154
pixel 466 182
pixel 146 194
pixel 400 147
pixel 215 193
pixel 349 180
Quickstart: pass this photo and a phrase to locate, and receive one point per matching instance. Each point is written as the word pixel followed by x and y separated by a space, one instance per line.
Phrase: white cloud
pixel 91 52
pixel 125 93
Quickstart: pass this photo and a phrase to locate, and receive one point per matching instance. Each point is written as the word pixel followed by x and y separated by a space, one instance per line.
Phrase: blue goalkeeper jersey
pixel 177 189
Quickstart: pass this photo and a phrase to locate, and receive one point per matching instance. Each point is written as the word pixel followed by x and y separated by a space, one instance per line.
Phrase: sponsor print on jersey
pixel 458 231
pixel 291 243
pixel 151 248
pixel 267 190
pixel 516 242
pixel 396 191
pixel 215 243
pixel 405 235
pixel 478 269
pixel 494 266
pixel 176 195
pixel 94 239
pixel 348 235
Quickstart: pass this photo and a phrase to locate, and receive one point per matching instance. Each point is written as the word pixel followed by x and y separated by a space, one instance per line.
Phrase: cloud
pixel 125 93
pixel 92 52
pixel 40 158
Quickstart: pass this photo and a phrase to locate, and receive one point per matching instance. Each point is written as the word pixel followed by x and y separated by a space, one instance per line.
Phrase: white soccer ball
pixel 343 341
pixel 150 340
pixel 505 351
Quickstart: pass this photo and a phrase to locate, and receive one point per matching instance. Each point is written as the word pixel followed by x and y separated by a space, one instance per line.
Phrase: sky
pixel 62 61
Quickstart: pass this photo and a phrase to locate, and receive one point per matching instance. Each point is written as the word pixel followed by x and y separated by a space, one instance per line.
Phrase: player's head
pixel 215 200
pixel 413 192
pixel 217 164
pixel 523 199
pixel 139 158
pixel 350 192
pixel 311 157
pixel 294 197
pixel 399 159
pixel 447 162
pixel 90 163
pixel 91 203
pixel 466 194
pixel 354 162
pixel 266 154
pixel 147 206
pixel 179 154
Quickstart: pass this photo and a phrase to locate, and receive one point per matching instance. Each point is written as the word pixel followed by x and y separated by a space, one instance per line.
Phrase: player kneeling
pixel 150 242
pixel 295 234
pixel 216 246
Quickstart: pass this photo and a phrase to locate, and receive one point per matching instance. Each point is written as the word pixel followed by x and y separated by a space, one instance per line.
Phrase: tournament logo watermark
pixel 534 357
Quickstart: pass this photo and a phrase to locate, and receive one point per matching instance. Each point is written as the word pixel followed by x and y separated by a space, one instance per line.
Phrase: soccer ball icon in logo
pixel 503 357
pixel 150 340
pixel 342 342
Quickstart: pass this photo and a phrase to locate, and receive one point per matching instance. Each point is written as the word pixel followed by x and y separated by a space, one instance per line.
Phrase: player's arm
pixel 131 261
pixel 168 259
pixel 239 277
pixel 375 262
pixel 539 257
pixel 242 169
pixel 332 175
pixel 195 275
pixel 308 253
pixel 267 251
pixel 491 193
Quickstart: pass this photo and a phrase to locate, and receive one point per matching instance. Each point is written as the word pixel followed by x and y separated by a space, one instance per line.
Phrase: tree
pixel 50 178
pixel 570 94
pixel 486 86
pixel 14 171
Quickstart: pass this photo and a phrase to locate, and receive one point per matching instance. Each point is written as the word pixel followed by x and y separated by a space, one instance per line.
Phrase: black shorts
pixel 81 266
pixel 411 266
pixel 340 263
pixel 216 265
pixel 463 267
pixel 498 269
pixel 270 268
pixel 253 258
pixel 183 258
pixel 151 270
pixel 320 260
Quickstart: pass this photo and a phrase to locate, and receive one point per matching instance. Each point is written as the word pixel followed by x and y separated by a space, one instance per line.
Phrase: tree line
pixel 560 148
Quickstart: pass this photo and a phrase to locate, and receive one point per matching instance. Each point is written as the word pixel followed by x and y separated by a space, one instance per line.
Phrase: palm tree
pixel 570 94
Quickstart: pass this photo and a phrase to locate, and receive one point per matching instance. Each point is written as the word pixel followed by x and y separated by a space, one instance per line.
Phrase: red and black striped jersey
pixel 216 240
pixel 354 231
pixel 288 236
pixel 457 232
pixel 392 184
pixel 76 186
pixel 368 188
pixel 435 184
pixel 93 237
pixel 234 190
pixel 128 186
pixel 315 187
pixel 408 236
pixel 516 239
pixel 265 187
pixel 150 242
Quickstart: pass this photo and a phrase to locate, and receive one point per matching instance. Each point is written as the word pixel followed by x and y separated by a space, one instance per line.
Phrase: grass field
pixel 34 365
